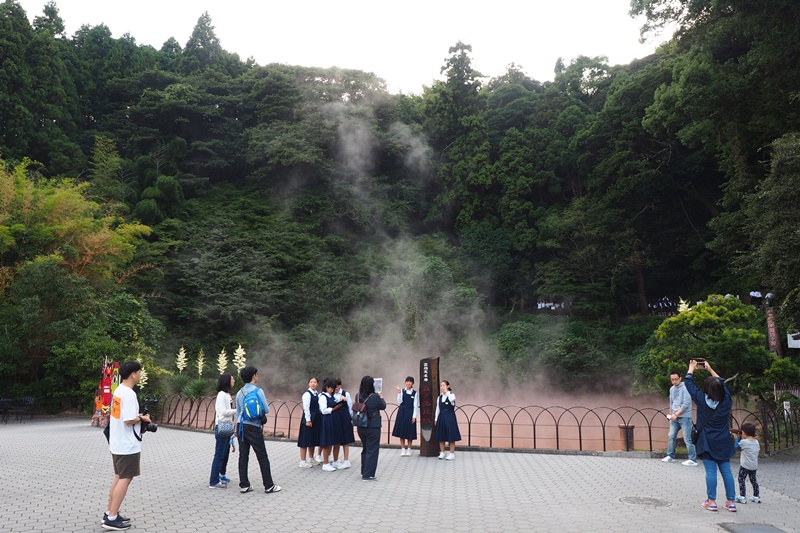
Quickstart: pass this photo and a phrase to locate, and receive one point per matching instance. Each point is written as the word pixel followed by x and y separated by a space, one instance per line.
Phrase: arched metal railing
pixel 517 427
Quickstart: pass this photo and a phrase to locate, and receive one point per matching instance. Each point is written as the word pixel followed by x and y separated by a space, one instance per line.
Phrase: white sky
pixel 405 43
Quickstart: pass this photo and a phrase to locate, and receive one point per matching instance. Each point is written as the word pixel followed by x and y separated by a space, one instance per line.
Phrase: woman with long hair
pixel 371 435
pixel 446 423
pixel 224 414
pixel 714 444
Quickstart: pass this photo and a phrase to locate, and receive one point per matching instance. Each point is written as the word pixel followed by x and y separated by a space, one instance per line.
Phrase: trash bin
pixel 626 437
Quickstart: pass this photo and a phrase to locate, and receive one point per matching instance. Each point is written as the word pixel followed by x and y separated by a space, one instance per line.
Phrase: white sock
pixel 112 518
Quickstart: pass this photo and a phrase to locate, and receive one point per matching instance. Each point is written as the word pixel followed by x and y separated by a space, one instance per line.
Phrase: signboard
pixel 772 332
pixel 428 393
pixel 109 379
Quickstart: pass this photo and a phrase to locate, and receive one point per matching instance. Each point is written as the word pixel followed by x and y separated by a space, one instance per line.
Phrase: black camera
pixel 701 363
pixel 148 426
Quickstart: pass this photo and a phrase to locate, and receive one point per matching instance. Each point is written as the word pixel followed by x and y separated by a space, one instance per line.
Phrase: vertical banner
pixel 102 398
pixel 428 393
pixel 772 333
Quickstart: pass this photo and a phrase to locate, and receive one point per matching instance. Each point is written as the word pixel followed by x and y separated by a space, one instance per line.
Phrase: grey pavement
pixel 55 475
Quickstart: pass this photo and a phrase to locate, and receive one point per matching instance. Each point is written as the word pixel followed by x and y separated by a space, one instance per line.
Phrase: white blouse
pixel 447 396
pixel 223 407
pixel 323 403
pixel 416 401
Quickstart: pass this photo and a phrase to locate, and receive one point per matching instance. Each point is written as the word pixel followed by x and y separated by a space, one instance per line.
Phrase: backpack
pixel 251 406
pixel 360 416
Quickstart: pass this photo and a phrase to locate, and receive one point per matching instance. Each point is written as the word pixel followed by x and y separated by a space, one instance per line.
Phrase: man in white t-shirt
pixel 123 443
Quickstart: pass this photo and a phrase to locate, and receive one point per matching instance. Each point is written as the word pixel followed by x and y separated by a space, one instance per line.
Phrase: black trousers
pixel 370 447
pixel 252 437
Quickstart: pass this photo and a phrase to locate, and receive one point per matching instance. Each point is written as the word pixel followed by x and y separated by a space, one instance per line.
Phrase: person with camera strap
pixel 123 443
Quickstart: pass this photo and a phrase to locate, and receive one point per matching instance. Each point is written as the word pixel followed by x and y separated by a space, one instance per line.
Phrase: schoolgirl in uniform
pixel 309 426
pixel 446 423
pixel 326 404
pixel 405 426
pixel 343 435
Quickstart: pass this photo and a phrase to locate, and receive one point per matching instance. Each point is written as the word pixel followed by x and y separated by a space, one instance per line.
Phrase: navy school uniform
pixel 403 427
pixel 446 424
pixel 326 403
pixel 309 436
pixel 343 422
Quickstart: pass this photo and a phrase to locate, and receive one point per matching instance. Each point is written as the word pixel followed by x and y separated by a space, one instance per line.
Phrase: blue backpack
pixel 252 409
pixel 251 406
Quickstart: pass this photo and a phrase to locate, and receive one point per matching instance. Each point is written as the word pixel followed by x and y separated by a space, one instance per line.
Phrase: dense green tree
pixel 60 258
pixel 722 330
pixel 773 224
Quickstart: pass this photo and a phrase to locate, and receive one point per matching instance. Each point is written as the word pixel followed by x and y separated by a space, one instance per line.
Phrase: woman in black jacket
pixel 371 435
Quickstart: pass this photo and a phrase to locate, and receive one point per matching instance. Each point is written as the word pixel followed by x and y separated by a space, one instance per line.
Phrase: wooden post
pixel 428 393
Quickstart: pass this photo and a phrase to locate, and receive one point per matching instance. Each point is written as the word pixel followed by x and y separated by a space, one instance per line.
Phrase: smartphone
pixel 379 385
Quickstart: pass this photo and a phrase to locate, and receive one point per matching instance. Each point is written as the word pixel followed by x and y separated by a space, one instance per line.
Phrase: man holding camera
pixel 680 418
pixel 123 443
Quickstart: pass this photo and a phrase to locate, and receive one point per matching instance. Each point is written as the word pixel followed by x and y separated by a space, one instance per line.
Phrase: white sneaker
pixel 441 455
pixel 343 465
pixel 755 499
pixel 668 459
pixel 318 459
pixel 305 464
pixel 741 499
pixel 689 462
pixel 450 457
pixel 336 464
pixel 329 468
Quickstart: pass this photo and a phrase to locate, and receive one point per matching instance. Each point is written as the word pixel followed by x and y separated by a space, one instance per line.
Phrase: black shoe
pixel 273 488
pixel 369 478
pixel 248 488
pixel 105 517
pixel 116 525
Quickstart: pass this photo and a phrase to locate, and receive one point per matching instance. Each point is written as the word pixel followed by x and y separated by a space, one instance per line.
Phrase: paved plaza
pixel 55 475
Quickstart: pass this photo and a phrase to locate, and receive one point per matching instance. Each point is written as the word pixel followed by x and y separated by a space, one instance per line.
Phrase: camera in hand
pixel 701 363
pixel 148 426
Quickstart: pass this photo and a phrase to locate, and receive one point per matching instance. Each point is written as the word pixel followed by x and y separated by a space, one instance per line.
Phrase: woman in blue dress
pixel 326 440
pixel 446 423
pixel 309 426
pixel 343 435
pixel 405 425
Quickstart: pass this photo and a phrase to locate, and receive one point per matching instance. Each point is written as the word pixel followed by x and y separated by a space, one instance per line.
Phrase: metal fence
pixel 515 427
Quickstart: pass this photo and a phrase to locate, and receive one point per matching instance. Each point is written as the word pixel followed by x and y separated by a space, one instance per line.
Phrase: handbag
pixel 225 429
pixel 360 416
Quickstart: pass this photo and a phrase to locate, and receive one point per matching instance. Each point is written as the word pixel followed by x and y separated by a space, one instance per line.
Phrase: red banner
pixel 772 333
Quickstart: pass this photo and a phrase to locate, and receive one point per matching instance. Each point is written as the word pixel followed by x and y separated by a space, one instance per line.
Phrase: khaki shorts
pixel 126 466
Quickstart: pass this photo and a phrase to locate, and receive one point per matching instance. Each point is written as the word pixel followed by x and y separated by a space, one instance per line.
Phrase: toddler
pixel 748 462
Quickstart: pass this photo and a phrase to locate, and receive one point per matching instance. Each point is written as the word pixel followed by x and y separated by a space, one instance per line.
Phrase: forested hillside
pixel 153 199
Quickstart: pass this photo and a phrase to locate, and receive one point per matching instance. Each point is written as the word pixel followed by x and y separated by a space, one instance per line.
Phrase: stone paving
pixel 55 474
